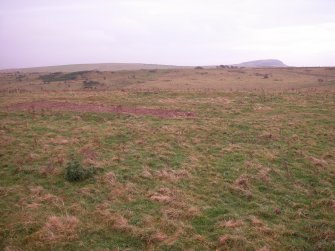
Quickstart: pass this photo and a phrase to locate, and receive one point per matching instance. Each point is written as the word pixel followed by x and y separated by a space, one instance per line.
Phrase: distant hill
pixel 270 63
pixel 94 67
pixel 136 66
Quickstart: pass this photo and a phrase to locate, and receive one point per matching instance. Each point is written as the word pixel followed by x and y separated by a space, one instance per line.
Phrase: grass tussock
pixel 59 229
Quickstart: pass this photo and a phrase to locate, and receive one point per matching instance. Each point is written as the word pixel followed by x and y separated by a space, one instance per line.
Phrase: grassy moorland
pixel 251 170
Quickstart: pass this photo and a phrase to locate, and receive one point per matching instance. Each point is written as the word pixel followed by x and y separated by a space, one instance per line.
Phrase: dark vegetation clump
pixel 199 68
pixel 89 84
pixel 227 67
pixel 74 171
pixel 19 77
pixel 59 76
pixel 265 75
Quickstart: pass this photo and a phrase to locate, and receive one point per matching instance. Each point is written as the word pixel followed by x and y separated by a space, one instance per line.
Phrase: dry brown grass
pixel 58 229
pixel 59 141
pixel 39 196
pixel 318 162
pixel 265 248
pixel 163 195
pixel 264 174
pixel 255 221
pixel 110 218
pixel 253 170
pixel 227 240
pixel 242 182
pixel 231 223
pixel 172 175
pixel 110 178
pixel 88 153
pixel 146 173
pixel 185 80
pixel 51 169
pixel 12 248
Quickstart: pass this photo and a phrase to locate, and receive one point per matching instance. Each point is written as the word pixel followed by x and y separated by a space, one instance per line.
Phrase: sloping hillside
pixel 92 67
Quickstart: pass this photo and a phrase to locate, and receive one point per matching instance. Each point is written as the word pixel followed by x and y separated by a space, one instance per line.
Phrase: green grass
pixel 264 160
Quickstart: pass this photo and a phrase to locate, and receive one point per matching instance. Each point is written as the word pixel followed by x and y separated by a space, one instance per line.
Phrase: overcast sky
pixel 180 32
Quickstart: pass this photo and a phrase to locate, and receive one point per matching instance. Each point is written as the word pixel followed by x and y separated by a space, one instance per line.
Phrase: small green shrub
pixel 59 76
pixel 199 68
pixel 90 84
pixel 75 172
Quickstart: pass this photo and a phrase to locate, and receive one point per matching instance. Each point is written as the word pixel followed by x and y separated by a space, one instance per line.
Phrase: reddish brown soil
pixel 97 108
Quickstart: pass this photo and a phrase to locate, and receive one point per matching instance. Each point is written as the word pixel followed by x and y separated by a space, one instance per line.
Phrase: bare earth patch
pixel 97 108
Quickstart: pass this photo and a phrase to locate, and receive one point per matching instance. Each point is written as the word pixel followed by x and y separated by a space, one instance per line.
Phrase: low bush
pixel 90 84
pixel 59 76
pixel 74 171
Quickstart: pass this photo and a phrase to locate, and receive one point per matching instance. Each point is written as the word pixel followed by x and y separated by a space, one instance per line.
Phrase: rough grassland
pixel 250 171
